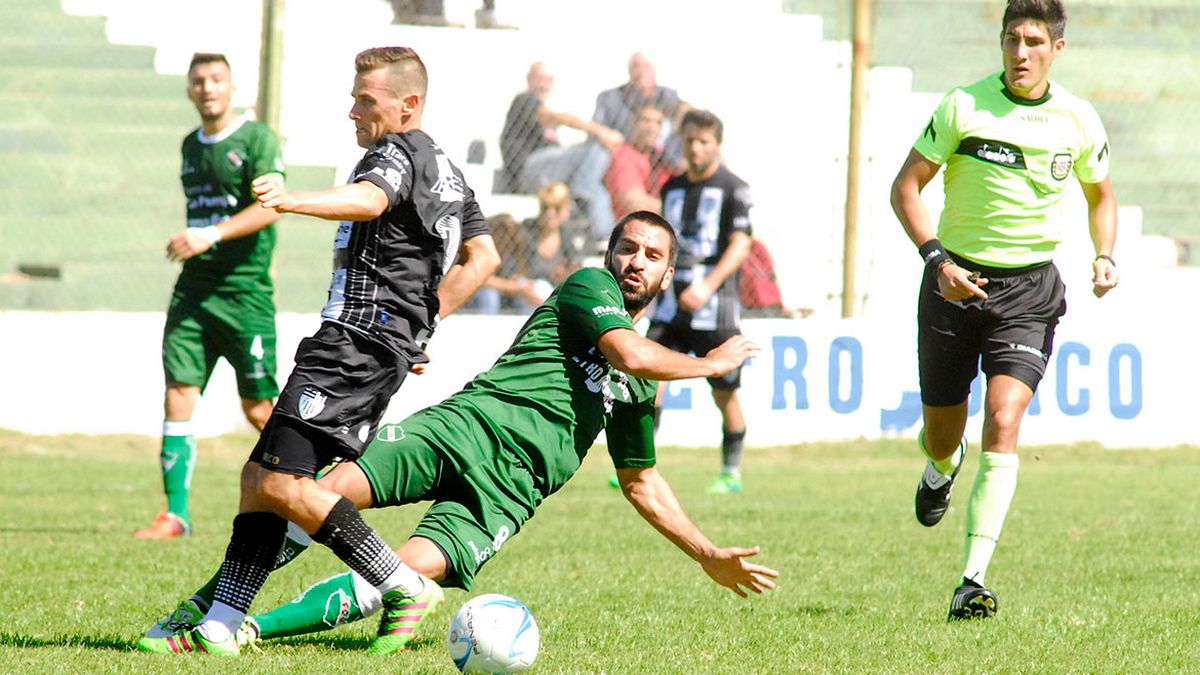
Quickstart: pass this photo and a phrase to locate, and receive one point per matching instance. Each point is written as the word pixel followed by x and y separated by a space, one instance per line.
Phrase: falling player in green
pixel 991 292
pixel 489 455
pixel 222 305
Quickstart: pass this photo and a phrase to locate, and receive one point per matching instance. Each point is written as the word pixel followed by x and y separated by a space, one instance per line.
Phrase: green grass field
pixel 1096 572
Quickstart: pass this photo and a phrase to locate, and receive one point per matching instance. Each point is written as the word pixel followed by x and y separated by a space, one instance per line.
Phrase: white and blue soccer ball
pixel 493 633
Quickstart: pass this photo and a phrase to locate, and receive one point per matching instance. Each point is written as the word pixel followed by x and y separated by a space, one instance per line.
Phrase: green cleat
pixel 403 615
pixel 189 642
pixel 725 484
pixel 185 617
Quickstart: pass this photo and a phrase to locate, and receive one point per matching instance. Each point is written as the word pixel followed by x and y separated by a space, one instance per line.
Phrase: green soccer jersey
pixel 547 398
pixel 216 175
pixel 1008 161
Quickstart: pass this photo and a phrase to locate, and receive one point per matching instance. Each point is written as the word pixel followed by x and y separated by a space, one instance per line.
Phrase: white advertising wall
pixel 1122 383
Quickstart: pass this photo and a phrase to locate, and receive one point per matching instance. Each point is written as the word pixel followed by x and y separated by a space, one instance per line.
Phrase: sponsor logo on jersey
pixel 930 131
pixel 448 186
pixel 993 152
pixel 393 176
pixel 311 403
pixel 234 158
pixel 1060 167
pixel 1026 348
pixel 607 309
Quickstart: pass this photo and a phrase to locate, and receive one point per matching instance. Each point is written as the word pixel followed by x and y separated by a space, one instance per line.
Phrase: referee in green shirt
pixel 990 292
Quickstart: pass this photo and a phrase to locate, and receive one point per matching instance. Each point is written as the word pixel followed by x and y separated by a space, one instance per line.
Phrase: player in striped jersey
pixel 991 292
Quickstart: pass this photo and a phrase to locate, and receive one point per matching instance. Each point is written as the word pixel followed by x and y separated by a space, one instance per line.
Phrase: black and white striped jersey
pixel 705 214
pixel 386 271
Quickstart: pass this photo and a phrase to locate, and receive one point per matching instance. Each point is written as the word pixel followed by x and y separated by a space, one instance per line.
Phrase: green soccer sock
pixel 178 459
pixel 296 542
pixel 327 604
pixel 945 466
pixel 990 498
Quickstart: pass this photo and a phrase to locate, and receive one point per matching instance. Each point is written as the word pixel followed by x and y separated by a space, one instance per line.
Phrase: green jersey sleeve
pixel 266 154
pixel 590 302
pixel 630 435
pixel 940 138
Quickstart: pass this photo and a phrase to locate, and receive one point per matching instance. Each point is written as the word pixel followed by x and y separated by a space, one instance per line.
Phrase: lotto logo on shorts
pixel 312 402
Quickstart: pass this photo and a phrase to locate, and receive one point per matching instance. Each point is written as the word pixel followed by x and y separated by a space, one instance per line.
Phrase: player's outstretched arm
pixel 360 201
pixel 653 498
pixel 633 354
pixel 1102 224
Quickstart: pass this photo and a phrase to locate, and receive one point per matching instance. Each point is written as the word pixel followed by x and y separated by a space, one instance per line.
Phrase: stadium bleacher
pixel 89 129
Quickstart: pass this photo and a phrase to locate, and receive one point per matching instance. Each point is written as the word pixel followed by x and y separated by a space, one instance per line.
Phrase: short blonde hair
pixel 554 195
pixel 404 62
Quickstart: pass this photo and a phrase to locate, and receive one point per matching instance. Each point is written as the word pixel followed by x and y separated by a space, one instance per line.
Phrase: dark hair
pixel 1050 12
pixel 649 218
pixel 705 120
pixel 404 61
pixel 200 58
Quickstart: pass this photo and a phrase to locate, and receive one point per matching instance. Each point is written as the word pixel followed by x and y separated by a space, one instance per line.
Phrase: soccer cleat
pixel 166 525
pixel 189 642
pixel 402 616
pixel 185 617
pixel 972 601
pixel 933 492
pixel 725 484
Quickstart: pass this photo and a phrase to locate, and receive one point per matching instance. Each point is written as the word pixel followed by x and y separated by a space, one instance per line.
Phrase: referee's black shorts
pixel 332 403
pixel 1011 333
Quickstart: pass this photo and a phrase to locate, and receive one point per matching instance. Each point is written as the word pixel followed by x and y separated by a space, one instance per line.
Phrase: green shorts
pixel 241 328
pixel 481 495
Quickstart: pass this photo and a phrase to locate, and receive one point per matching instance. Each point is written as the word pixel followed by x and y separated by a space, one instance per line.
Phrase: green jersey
pixel 1007 164
pixel 547 398
pixel 216 175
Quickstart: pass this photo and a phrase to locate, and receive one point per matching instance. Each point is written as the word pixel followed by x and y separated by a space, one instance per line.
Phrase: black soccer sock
pixel 351 539
pixel 249 558
pixel 731 451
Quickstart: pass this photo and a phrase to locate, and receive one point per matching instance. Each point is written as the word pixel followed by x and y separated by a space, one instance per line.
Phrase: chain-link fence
pixel 94 109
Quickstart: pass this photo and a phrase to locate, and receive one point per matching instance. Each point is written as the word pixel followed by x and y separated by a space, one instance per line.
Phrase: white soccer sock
pixel 221 622
pixel 368 597
pixel 405 579
pixel 991 496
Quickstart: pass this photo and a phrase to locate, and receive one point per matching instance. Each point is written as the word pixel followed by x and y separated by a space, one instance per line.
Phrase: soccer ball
pixel 493 633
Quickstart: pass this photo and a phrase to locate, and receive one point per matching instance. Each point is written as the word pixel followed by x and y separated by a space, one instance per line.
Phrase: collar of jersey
pixel 1008 94
pixel 224 133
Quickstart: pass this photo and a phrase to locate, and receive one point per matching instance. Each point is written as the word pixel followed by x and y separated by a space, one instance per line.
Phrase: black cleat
pixel 932 501
pixel 972 601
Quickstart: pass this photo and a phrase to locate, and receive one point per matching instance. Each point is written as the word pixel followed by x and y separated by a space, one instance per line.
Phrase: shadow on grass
pixel 87 642
pixel 346 642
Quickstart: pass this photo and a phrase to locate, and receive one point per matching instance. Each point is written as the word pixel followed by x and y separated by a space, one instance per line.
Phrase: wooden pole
pixel 270 63
pixel 859 65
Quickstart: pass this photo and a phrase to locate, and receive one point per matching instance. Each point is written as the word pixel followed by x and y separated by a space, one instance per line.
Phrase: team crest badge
pixel 390 433
pixel 1060 168
pixel 234 158
pixel 312 402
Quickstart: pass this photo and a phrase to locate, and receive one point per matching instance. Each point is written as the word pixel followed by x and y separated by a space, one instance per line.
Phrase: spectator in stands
pixel 433 13
pixel 534 157
pixel 223 302
pixel 638 169
pixel 510 289
pixel 617 108
pixel 709 207
pixel 548 263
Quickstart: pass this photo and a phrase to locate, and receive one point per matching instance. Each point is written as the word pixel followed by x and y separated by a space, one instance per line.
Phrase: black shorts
pixel 1012 332
pixel 332 402
pixel 683 338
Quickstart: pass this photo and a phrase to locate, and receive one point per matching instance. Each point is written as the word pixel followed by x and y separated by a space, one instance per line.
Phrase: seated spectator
pixel 534 157
pixel 433 13
pixel 547 262
pixel 638 169
pixel 509 290
pixel 616 108
pixel 759 292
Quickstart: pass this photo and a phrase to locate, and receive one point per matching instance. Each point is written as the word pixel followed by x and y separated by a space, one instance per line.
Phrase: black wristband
pixel 1104 256
pixel 933 253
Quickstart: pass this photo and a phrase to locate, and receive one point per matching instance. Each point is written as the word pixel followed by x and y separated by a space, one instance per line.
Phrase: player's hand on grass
pixel 1104 277
pixel 272 193
pixel 731 353
pixel 729 567
pixel 958 284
